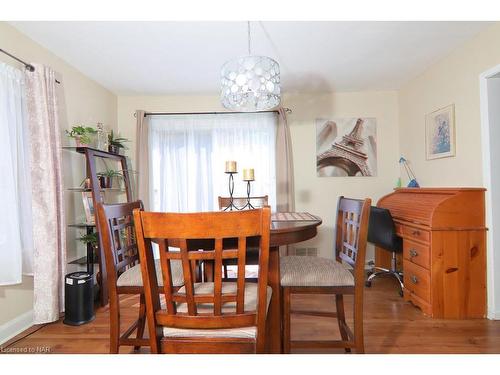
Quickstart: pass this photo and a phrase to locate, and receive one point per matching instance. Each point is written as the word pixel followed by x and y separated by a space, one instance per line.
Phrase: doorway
pixel 490 134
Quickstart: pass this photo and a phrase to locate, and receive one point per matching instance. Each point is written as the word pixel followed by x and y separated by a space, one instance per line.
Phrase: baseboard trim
pixel 492 315
pixel 16 326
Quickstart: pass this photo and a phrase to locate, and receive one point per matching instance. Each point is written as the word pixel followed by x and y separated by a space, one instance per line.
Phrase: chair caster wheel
pixel 369 273
pixel 368 284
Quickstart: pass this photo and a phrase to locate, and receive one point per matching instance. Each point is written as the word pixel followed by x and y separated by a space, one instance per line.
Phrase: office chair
pixel 382 233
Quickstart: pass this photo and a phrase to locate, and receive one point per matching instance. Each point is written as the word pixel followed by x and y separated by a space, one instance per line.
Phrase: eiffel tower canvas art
pixel 346 147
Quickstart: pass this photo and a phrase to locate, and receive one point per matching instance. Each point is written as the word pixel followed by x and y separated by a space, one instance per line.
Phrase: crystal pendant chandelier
pixel 250 83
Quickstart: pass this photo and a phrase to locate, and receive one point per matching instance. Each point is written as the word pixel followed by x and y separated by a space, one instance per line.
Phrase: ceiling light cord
pixel 248 32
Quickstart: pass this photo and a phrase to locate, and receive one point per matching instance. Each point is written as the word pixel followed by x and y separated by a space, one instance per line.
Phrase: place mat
pixel 293 216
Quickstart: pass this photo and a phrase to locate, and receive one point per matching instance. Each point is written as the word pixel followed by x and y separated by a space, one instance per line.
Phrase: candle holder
pixel 231 191
pixel 248 204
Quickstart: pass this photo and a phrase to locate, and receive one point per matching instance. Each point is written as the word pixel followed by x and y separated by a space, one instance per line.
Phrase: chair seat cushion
pixel 133 276
pixel 313 271
pixel 251 298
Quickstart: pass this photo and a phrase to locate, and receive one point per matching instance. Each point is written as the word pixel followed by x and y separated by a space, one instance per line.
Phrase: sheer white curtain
pixel 188 153
pixel 16 239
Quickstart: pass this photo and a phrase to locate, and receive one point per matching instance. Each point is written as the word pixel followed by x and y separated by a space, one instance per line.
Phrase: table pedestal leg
pixel 208 271
pixel 274 313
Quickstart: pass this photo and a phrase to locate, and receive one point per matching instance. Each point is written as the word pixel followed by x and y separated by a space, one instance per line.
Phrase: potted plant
pixel 90 238
pixel 81 134
pixel 115 144
pixel 93 240
pixel 106 178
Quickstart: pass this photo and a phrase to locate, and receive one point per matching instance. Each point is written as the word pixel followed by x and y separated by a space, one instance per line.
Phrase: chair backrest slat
pixel 218 277
pixel 352 227
pixel 240 298
pixel 188 277
pixel 167 276
pixel 207 237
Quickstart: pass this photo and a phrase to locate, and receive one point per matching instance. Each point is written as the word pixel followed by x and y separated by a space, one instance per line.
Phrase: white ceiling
pixel 185 57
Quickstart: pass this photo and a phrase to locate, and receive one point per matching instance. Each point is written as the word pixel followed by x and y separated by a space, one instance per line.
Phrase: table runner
pixel 293 216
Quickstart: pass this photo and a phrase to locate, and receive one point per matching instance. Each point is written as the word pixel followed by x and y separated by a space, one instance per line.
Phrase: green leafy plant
pixel 81 133
pixel 106 177
pixel 110 173
pixel 90 238
pixel 116 141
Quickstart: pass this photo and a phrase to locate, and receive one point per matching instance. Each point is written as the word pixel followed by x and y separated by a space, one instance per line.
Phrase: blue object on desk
pixel 411 176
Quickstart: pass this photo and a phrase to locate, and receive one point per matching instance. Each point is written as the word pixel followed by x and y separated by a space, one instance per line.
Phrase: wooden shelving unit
pixel 81 225
pixel 82 190
pixel 83 260
pixel 91 154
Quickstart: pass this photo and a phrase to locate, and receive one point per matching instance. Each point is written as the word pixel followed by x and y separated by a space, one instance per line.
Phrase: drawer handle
pixel 413 253
pixel 416 233
pixel 414 279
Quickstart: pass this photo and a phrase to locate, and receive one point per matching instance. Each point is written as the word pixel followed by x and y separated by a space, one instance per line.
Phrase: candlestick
pixel 248 204
pixel 248 175
pixel 231 191
pixel 231 166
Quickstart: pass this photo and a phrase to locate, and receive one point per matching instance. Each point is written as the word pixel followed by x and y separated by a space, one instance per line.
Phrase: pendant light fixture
pixel 250 83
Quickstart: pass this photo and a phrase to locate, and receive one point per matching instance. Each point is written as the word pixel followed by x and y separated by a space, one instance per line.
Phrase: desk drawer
pixel 416 233
pixel 399 229
pixel 416 253
pixel 417 280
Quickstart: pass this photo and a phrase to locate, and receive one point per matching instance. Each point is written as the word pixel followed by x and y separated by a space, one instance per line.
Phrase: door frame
pixel 493 309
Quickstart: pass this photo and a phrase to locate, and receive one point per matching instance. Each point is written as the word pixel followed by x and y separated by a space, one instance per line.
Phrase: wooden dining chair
pixel 314 275
pixel 252 254
pixel 205 317
pixel 123 270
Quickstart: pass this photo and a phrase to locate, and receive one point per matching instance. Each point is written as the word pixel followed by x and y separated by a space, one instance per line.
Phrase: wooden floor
pixel 391 326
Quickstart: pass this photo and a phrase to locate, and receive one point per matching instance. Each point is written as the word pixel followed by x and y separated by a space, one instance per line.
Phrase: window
pixel 188 154
pixel 16 241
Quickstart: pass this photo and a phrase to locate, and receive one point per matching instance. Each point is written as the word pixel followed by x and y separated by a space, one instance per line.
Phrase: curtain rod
pixel 29 67
pixel 287 110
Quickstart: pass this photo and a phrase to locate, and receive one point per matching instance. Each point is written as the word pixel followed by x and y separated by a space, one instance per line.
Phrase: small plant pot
pixel 78 142
pixel 105 182
pixel 114 149
pixel 87 184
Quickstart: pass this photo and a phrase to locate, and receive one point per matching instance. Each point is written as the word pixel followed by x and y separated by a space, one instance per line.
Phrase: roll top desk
pixel 444 249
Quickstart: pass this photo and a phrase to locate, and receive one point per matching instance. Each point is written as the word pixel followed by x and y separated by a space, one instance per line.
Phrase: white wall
pixel 317 195
pixel 454 79
pixel 84 101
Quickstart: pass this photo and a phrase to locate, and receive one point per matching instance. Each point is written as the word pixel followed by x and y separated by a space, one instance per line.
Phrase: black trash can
pixel 79 299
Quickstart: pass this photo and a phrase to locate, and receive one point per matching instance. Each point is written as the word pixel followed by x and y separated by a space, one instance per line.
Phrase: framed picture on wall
pixel 440 133
pixel 346 147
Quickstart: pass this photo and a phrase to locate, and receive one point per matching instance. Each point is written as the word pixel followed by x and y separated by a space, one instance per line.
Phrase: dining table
pixel 286 228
